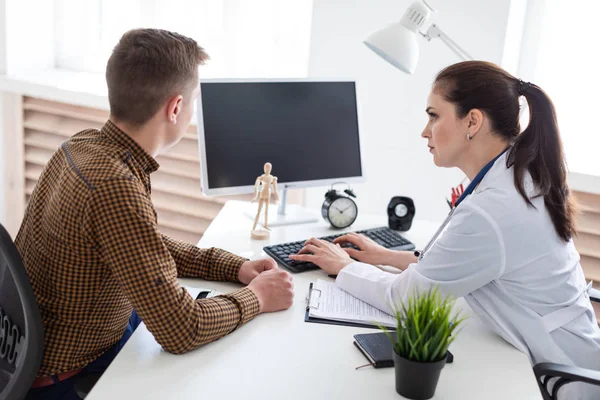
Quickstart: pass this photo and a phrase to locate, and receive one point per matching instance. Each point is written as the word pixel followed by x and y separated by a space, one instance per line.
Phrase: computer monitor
pixel 307 129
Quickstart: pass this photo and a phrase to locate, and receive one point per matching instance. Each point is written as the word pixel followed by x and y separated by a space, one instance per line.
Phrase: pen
pixel 310 286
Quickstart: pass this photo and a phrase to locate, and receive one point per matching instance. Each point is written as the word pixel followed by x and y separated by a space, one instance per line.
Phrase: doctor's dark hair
pixel 538 149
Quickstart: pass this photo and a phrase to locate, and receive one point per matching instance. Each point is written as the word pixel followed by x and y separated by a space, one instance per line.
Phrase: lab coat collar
pixel 492 178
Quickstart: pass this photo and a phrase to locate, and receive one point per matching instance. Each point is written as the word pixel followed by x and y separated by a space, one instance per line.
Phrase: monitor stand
pixel 284 214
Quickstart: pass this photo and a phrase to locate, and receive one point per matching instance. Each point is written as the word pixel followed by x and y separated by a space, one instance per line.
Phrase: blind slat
pixel 35 136
pixel 589 222
pixel 42 144
pixel 66 110
pixel 182 222
pixel 58 125
pixel 185 205
pixel 180 235
pixel 587 244
pixel 186 149
pixel 588 201
pixel 33 169
pixel 37 156
pixel 185 169
pixel 591 268
pixel 29 186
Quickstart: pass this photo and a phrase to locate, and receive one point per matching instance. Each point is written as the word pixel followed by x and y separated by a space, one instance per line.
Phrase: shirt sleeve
pixel 211 264
pixel 123 225
pixel 469 254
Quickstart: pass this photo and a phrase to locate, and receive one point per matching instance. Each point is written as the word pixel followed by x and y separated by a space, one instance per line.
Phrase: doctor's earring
pixel 468 136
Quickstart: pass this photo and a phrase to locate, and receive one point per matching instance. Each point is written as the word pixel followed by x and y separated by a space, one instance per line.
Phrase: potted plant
pixel 425 328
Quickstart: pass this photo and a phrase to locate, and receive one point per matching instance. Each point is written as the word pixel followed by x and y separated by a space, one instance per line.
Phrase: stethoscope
pixel 474 183
pixel 421 254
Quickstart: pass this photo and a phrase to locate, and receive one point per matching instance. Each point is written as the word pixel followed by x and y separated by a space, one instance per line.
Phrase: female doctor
pixel 507 244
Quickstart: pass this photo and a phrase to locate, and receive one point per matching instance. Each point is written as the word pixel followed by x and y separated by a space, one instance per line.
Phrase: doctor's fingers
pixel 355 239
pixel 348 238
pixel 352 237
pixel 306 257
pixel 309 248
pixel 314 242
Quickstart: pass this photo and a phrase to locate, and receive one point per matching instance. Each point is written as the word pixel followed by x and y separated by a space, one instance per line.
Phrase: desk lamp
pixel 397 43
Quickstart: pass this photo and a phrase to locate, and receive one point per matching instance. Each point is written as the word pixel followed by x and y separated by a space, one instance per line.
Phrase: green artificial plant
pixel 425 326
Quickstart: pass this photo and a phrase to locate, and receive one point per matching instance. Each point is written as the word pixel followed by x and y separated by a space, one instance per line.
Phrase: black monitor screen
pixel 307 130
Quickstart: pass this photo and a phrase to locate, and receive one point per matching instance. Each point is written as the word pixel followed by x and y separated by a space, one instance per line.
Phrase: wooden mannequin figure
pixel 264 198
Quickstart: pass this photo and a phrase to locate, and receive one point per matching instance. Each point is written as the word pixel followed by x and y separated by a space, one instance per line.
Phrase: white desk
pixel 279 356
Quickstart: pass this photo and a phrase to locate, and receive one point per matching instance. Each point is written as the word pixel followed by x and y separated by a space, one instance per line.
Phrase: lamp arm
pixel 434 31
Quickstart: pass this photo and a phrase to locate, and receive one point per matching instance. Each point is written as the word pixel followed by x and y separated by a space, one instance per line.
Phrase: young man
pixel 89 239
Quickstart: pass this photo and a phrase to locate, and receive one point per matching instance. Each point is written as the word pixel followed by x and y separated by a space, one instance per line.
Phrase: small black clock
pixel 339 209
pixel 401 211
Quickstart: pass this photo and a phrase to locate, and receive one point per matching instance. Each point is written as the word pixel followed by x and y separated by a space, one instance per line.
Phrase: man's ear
pixel 174 108
pixel 474 121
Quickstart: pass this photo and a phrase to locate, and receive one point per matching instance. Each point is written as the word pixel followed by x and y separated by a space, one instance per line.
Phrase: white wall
pixel 392 103
pixel 30 36
pixel 2 72
pixel 22 49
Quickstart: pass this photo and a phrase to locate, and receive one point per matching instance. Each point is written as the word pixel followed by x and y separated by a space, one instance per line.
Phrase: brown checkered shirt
pixel 93 252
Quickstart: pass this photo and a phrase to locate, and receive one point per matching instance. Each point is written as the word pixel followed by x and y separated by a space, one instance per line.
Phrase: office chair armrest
pixel 544 372
pixel 570 372
pixel 594 295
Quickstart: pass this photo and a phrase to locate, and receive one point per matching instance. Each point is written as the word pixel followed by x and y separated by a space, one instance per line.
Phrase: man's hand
pixel 250 269
pixel 328 256
pixel 274 290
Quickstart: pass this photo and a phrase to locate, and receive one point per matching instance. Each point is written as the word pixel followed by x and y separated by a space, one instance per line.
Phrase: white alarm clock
pixel 339 209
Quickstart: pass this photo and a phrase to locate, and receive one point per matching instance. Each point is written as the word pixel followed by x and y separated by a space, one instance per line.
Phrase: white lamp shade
pixel 397 45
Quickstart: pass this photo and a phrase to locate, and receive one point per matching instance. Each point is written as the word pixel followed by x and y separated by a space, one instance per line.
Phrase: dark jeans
pixel 65 390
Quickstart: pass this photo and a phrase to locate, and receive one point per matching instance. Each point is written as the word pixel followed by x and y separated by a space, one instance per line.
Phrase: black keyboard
pixel 384 236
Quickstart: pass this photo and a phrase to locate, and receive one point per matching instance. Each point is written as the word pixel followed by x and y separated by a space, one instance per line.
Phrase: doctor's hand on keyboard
pixel 364 249
pixel 367 243
pixel 367 250
pixel 328 256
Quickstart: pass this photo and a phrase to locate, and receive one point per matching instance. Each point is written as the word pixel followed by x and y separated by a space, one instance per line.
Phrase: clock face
pixel 401 210
pixel 342 212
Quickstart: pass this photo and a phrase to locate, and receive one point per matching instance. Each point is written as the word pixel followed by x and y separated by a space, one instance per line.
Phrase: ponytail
pixel 538 149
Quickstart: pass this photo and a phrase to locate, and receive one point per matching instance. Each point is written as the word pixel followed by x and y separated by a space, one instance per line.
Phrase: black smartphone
pixel 203 294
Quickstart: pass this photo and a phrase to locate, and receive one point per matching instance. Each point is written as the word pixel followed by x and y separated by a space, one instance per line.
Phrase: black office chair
pixel 551 377
pixel 21 330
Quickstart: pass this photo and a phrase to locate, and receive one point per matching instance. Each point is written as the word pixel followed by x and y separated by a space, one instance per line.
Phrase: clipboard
pixel 308 318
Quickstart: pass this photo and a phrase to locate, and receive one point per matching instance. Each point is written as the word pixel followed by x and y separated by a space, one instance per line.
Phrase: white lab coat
pixel 513 270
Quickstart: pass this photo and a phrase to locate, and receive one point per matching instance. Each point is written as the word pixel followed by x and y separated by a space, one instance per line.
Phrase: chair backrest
pixel 21 329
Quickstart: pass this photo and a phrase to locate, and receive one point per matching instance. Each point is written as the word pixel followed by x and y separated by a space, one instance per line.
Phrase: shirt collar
pixel 147 163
